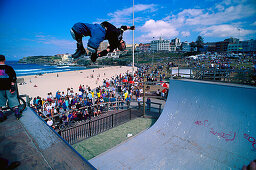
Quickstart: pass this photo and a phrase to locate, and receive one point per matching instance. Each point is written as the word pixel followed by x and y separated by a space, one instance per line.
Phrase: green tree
pixel 199 42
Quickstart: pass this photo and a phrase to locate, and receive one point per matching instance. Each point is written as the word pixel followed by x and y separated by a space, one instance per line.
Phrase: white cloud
pixel 225 31
pixel 229 14
pixel 137 8
pixel 191 12
pixel 40 36
pixel 185 33
pixel 157 29
pixel 47 39
pixel 220 21
pixel 220 7
pixel 180 19
pixel 226 2
pixel 59 42
pixel 125 16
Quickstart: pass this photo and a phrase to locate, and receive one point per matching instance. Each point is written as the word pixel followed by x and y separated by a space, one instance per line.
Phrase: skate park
pixel 204 125
pixel 71 56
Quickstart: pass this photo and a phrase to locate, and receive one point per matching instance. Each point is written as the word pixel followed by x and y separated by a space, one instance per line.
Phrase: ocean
pixel 35 69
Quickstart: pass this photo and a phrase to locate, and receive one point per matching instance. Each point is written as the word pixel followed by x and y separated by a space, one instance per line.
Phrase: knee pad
pixel 75 36
pixel 72 34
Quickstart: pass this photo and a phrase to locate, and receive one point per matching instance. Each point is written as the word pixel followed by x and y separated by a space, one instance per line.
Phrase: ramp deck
pixel 30 141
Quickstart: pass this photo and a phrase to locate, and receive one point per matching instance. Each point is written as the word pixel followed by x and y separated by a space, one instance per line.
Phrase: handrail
pixel 93 127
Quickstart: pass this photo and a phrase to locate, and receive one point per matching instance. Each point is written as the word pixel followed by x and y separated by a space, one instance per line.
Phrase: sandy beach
pixel 41 85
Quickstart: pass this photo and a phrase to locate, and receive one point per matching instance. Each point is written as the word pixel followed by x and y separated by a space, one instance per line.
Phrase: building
pixel 173 47
pixel 114 54
pixel 160 45
pixel 228 45
pixel 248 46
pixel 238 47
pixel 64 57
pixel 251 45
pixel 222 46
pixel 232 40
pixel 243 46
pixel 193 46
pixel 144 47
pixel 210 46
pixel 176 42
pixel 185 47
pixel 129 47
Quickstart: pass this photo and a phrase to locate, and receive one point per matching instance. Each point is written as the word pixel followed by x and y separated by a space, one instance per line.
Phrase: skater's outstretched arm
pixel 124 28
pixel 112 47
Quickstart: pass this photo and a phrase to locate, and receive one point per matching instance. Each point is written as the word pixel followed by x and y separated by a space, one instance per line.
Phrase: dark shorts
pixel 95 31
pixel 12 98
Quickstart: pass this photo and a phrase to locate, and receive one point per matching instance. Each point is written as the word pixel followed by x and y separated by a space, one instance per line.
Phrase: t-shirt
pixel 49 107
pixel 125 95
pixel 70 115
pixel 106 99
pixel 50 122
pixel 63 118
pixel 90 96
pixel 7 75
pixel 80 94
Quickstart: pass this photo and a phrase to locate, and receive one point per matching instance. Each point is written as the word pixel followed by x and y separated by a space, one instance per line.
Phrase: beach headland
pixel 36 85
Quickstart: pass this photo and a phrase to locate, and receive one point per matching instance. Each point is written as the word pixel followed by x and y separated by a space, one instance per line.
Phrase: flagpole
pixel 133 39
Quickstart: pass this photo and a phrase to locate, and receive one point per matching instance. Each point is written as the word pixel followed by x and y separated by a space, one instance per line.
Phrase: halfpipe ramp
pixel 203 126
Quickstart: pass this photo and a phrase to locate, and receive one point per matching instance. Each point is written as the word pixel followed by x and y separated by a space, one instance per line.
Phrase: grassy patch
pixel 100 143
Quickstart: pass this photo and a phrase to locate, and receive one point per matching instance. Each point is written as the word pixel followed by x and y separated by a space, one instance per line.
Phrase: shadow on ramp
pixel 203 126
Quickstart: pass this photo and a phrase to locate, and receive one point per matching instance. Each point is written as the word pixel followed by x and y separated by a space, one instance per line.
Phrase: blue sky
pixel 41 27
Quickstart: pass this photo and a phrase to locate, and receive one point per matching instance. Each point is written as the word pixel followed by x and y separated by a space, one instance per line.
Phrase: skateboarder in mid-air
pixel 98 33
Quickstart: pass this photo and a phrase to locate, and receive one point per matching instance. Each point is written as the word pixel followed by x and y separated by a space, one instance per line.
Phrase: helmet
pixel 121 45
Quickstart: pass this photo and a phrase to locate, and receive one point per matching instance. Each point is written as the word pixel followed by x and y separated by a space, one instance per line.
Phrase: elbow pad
pixel 124 28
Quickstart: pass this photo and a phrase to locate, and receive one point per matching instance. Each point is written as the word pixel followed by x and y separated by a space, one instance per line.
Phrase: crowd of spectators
pixel 63 107
pixel 221 61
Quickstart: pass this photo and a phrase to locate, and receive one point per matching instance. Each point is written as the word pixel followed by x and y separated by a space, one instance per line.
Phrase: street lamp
pixel 153 53
pixel 133 39
pixel 238 41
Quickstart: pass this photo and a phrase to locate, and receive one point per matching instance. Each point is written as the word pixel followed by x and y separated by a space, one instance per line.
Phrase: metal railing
pixel 149 106
pixel 121 112
pixel 241 76
pixel 93 127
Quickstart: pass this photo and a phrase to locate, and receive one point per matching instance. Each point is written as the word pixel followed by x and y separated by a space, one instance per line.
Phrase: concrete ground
pixel 30 141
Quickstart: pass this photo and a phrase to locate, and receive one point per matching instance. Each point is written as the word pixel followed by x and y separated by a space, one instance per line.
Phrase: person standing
pixel 148 103
pixel 8 89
